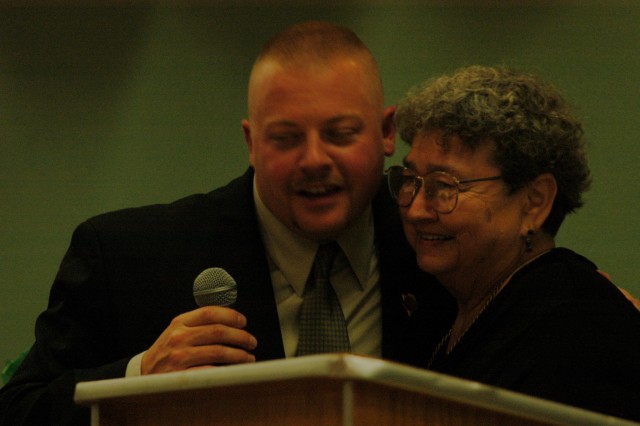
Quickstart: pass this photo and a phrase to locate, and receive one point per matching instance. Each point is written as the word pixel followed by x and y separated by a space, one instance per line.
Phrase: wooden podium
pixel 334 389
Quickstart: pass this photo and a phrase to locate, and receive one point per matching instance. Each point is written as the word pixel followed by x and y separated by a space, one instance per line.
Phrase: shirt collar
pixel 293 255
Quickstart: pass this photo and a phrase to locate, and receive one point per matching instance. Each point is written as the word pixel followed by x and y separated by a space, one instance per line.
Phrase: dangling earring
pixel 528 240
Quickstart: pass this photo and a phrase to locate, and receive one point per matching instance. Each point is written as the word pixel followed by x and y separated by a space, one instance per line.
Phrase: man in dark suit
pixel 317 135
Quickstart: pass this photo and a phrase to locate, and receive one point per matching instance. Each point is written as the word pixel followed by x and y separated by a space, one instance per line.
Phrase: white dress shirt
pixel 355 279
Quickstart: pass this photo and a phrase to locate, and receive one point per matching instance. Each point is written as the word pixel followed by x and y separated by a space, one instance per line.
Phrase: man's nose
pixel 315 152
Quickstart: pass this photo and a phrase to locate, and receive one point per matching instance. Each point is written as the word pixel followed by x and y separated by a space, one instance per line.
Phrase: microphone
pixel 214 286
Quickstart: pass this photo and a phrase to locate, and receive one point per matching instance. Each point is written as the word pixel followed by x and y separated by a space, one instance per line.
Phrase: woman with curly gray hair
pixel 497 161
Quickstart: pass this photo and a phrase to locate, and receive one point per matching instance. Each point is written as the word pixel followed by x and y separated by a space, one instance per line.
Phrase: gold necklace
pixel 492 296
pixel 446 337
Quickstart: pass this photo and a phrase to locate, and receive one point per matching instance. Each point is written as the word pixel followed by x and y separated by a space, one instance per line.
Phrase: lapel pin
pixel 410 303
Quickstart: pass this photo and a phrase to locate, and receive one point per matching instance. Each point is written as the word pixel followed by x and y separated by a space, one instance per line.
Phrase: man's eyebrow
pixel 343 117
pixel 281 123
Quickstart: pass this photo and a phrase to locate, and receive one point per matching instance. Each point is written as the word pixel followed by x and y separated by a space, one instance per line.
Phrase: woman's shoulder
pixel 563 266
pixel 564 278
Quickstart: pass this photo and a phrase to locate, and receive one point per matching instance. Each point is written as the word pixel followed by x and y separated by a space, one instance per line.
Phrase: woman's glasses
pixel 441 188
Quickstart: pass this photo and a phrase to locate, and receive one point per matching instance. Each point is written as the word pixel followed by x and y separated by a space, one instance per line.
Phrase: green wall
pixel 104 107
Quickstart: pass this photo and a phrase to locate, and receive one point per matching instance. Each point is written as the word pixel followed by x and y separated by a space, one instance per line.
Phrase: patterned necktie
pixel 322 325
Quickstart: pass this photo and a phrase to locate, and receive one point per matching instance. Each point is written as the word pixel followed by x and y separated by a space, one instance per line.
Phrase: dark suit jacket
pixel 128 273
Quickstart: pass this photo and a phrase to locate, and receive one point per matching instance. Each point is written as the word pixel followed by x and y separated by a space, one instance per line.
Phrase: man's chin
pixel 321 229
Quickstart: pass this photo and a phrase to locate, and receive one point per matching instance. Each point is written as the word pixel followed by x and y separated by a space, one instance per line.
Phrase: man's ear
pixel 246 130
pixel 389 131
pixel 540 195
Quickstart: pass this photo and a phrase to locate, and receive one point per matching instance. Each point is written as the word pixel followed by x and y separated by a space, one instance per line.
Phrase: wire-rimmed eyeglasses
pixel 441 188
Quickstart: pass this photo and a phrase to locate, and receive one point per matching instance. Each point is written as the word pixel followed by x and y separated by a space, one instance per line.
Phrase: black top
pixel 560 331
pixel 128 273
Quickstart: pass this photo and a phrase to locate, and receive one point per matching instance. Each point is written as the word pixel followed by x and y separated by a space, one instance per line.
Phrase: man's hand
pixel 207 336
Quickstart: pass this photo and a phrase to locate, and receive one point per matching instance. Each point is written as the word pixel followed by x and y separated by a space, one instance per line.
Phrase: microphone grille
pixel 214 286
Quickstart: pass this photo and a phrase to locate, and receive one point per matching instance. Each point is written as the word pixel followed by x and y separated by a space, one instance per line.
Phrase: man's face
pixel 317 137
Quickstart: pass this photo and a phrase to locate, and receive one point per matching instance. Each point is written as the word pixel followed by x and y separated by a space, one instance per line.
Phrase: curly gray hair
pixel 528 121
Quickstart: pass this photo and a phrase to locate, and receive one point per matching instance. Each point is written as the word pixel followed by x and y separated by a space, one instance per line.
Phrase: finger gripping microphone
pixel 214 286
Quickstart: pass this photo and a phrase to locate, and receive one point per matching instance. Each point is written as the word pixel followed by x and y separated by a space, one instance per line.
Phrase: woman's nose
pixel 421 207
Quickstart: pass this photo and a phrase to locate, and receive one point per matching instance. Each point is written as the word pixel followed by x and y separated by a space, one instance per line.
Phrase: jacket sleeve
pixel 73 343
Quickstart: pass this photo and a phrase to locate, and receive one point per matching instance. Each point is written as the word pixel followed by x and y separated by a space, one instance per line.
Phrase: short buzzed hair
pixel 318 43
pixel 316 39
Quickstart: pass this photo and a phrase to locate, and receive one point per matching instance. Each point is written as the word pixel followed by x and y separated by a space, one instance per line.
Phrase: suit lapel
pixel 244 257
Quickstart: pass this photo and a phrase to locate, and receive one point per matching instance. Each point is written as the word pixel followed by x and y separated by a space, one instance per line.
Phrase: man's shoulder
pixel 230 199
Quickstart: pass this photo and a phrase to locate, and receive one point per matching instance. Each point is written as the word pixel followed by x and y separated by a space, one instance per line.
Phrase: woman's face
pixel 481 238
